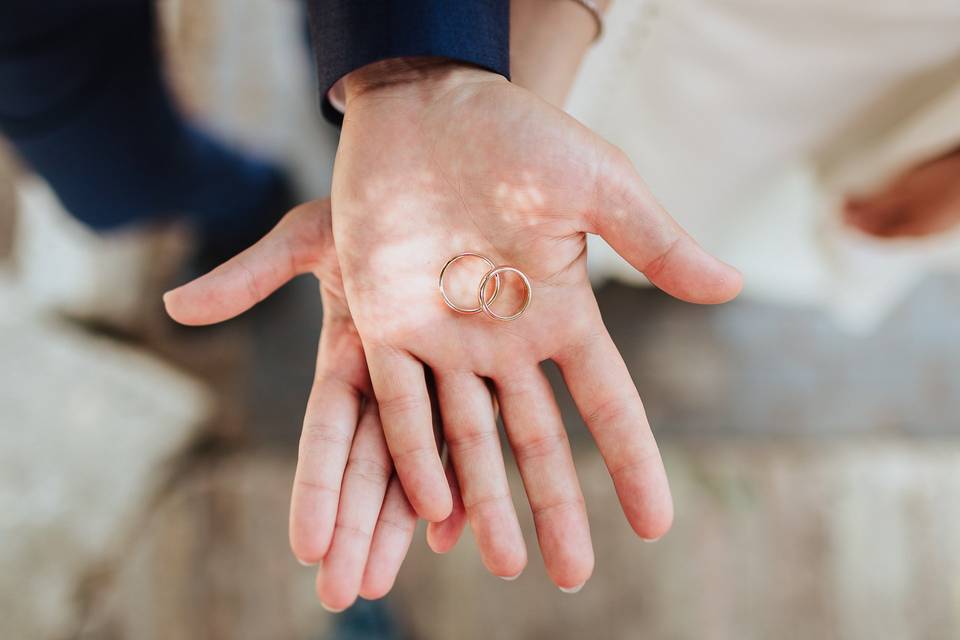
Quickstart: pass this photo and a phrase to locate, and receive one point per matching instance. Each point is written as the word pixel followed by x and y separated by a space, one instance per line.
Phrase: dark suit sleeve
pixel 349 34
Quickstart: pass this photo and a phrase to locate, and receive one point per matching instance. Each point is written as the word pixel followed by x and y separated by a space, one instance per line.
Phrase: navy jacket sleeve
pixel 349 34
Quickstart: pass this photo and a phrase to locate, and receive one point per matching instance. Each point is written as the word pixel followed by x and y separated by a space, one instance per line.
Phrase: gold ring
pixel 496 289
pixel 495 273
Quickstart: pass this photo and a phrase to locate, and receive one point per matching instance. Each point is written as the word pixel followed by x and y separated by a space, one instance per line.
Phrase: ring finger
pixel 540 445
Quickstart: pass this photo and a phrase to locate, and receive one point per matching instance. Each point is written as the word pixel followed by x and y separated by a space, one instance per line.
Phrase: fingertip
pixel 436 508
pixel 566 546
pixel 332 609
pixel 730 283
pixel 441 536
pixel 653 526
pixel 332 602
pixel 181 305
pixel 391 541
pixel 718 282
pixel 435 537
pixel 429 493
pixel 309 550
pixel 337 587
pixel 573 578
pixel 376 588
pixel 691 274
pixel 308 553
pixel 498 535
pixel 311 524
pixel 170 304
pixel 647 504
pixel 508 566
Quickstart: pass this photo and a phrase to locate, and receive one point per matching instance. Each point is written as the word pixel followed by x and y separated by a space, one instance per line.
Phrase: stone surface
pixel 212 562
pixel 846 538
pixel 88 430
pixel 754 368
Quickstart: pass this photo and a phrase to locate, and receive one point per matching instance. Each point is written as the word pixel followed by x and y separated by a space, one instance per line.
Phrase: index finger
pixel 400 387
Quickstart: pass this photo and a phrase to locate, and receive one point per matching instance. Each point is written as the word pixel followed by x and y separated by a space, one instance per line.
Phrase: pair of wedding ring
pixel 483 301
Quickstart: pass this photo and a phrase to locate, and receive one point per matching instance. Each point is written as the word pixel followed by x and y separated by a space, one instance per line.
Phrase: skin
pixel 348 512
pixel 548 40
pixel 451 159
pixel 922 201
pixel 531 184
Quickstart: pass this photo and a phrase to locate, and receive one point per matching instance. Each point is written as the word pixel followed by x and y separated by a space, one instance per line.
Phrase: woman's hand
pixel 923 201
pixel 436 159
pixel 348 512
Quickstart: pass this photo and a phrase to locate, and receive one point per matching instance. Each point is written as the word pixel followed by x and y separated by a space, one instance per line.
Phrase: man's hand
pixel 436 159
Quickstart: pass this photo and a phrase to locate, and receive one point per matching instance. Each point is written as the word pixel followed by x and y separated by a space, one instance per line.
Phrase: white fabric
pixel 113 279
pixel 750 119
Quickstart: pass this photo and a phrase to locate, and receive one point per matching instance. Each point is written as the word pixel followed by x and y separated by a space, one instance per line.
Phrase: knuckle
pixel 639 463
pixel 468 440
pixel 250 280
pixel 610 411
pixel 404 525
pixel 574 504
pixel 417 455
pixel 400 405
pixel 542 446
pixel 374 471
pixel 313 485
pixel 319 434
pixel 486 502
pixel 350 530
pixel 656 265
pixel 328 383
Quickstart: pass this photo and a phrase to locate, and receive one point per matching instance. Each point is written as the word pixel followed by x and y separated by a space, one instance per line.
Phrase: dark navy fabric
pixel 349 34
pixel 84 102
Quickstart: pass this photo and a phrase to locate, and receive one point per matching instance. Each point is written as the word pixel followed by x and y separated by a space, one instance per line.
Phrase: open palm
pixel 477 164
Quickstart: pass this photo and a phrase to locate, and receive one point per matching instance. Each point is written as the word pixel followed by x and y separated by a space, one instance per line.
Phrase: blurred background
pixel 145 476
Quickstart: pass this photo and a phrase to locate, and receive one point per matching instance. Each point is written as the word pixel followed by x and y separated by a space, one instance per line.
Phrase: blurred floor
pixel 815 474
pixel 815 477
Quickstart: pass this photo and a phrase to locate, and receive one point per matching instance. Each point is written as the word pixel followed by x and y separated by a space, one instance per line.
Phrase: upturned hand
pixel 436 159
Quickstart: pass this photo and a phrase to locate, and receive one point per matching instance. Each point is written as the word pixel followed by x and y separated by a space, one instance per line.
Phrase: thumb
pixel 291 248
pixel 630 219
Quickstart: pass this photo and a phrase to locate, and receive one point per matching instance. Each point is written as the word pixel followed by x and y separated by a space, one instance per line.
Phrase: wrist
pixel 418 79
pixel 548 40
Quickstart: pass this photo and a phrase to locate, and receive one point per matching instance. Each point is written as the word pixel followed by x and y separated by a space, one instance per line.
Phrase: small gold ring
pixel 496 284
pixel 495 273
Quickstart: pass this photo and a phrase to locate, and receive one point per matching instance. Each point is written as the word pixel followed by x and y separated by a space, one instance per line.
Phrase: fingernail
pixel 651 540
pixel 573 589
pixel 330 609
pixel 510 578
pixel 306 564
